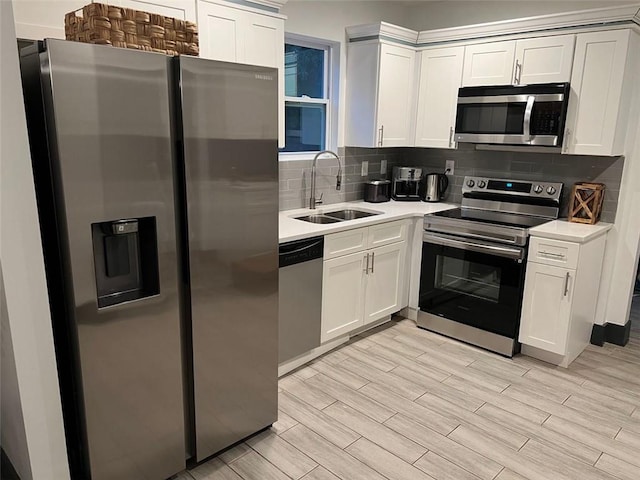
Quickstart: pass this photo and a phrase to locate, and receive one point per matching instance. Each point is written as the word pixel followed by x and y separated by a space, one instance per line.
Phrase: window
pixel 307 84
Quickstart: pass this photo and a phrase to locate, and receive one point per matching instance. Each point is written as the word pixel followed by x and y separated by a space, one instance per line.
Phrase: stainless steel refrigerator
pixel 157 187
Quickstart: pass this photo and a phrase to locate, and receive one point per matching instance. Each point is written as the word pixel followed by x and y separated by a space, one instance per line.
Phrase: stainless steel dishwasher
pixel 300 297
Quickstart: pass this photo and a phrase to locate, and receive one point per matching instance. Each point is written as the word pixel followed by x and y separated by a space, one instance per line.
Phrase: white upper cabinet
pixel 395 95
pixel 183 9
pixel 380 80
pixel 264 41
pixel 440 76
pixel 601 85
pixel 544 59
pixel 220 27
pixel 233 33
pixel 521 62
pixel 488 64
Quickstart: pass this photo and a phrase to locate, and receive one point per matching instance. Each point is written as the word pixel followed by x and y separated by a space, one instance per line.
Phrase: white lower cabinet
pixel 342 295
pixel 363 287
pixel 546 309
pixel 384 282
pixel 560 295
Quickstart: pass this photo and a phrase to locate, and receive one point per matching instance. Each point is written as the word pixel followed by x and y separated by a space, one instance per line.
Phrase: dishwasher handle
pixel 292 253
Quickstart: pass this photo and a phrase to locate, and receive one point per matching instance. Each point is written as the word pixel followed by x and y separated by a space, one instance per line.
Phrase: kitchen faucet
pixel 313 201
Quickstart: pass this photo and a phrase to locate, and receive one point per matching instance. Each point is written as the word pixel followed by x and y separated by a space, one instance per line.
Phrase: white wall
pixel 33 435
pixel 623 243
pixel 328 19
pixel 442 14
pixel 14 440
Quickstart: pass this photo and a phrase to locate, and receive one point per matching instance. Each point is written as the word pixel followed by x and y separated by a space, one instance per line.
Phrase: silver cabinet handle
pixel 451 136
pixel 366 270
pixel 527 119
pixel 566 285
pixel 518 72
pixel 554 255
pixel 373 261
pixel 381 135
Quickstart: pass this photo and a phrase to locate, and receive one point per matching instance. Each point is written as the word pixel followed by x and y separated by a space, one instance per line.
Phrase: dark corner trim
pixel 598 335
pixel 6 468
pixel 611 333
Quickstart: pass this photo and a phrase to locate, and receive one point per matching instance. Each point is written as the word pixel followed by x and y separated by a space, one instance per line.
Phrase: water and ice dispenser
pixel 125 254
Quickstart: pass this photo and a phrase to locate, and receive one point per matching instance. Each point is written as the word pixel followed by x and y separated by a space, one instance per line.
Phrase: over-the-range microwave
pixel 512 115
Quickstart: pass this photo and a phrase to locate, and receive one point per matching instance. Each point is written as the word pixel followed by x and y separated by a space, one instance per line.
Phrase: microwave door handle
pixel 527 119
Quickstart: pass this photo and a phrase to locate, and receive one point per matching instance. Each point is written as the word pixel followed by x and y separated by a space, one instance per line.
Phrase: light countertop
pixel 562 229
pixel 293 229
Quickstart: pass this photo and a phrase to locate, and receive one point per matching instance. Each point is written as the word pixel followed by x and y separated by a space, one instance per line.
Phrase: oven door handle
pixel 506 252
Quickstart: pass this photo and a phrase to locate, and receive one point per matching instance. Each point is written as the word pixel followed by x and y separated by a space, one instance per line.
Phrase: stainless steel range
pixel 474 258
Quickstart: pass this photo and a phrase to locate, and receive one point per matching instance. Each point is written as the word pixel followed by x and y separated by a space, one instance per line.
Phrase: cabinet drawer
pixel 554 252
pixel 387 233
pixel 343 243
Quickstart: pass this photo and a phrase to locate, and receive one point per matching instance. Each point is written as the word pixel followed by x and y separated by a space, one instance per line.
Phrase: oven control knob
pixel 551 190
pixel 470 183
pixel 482 184
pixel 537 189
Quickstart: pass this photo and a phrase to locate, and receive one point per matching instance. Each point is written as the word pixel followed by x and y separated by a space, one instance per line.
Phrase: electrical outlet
pixel 365 168
pixel 449 167
pixel 383 167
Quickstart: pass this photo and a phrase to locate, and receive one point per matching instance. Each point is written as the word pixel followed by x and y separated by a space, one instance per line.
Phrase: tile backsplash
pixel 295 176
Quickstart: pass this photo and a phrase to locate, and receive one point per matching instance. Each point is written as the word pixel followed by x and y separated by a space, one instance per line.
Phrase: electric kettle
pixel 434 187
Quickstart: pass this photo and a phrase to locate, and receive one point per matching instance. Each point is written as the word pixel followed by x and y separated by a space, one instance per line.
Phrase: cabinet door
pixel 488 64
pixel 220 31
pixel 342 295
pixel 440 78
pixel 384 282
pixel 182 9
pixel 596 87
pixel 263 43
pixel 546 308
pixel 544 60
pixel 395 96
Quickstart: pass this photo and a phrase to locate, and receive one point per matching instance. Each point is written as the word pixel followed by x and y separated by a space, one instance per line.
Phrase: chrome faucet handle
pixel 319 200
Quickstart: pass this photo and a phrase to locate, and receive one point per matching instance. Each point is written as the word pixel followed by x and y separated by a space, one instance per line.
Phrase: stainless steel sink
pixel 337 216
pixel 350 214
pixel 318 219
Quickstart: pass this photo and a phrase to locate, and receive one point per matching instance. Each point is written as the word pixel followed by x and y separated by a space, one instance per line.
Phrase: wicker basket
pixel 586 202
pixel 128 28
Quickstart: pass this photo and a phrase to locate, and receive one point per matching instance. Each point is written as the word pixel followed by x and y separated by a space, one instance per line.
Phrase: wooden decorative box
pixel 586 202
pixel 129 28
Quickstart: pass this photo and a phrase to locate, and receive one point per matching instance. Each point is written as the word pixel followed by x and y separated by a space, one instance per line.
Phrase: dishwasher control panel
pixel 300 251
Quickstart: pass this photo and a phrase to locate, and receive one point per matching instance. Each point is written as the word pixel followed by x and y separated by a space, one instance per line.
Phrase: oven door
pixel 472 282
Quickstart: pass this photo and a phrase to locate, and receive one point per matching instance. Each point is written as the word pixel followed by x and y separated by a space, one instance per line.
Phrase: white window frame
pixel 331 67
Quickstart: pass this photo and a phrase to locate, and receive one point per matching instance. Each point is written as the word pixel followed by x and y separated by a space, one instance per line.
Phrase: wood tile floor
pixel 401 403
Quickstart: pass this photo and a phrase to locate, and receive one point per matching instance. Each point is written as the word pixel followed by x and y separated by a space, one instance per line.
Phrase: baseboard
pixel 611 333
pixel 7 472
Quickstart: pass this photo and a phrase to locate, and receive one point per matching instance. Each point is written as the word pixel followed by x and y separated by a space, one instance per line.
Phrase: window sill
pixel 291 156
